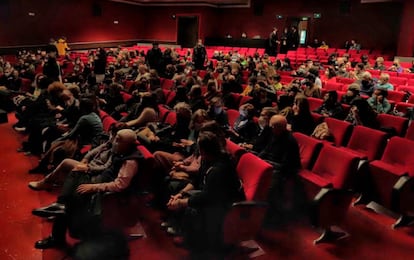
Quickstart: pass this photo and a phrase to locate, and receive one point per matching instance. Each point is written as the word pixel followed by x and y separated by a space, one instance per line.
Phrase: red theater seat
pixel 309 149
pixel 396 96
pixel 398 81
pixel 126 96
pixel 244 219
pixel 392 176
pixel 340 130
pixel 399 124
pixel 234 149
pixel 367 143
pixel 314 103
pixel 232 115
pixel 327 187
pixel 171 118
pixel 333 86
pixel 167 84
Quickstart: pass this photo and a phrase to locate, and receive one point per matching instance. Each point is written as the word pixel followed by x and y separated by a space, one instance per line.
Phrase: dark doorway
pixel 187 31
pixel 302 24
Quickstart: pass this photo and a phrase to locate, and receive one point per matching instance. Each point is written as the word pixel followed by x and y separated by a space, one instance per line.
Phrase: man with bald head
pixel 282 152
pixel 74 202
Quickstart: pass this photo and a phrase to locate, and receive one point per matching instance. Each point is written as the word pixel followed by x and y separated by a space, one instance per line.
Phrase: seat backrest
pixel 398 80
pixel 336 166
pixel 309 149
pixel 107 122
pixel 256 176
pixel 368 141
pixel 126 96
pixel 234 150
pixel 171 118
pixel 400 151
pixel 232 114
pixel 167 84
pixel 340 130
pixel 314 103
pixel 163 112
pixel 396 96
pixel 333 86
pixel 396 122
pixel 410 132
pixel 244 100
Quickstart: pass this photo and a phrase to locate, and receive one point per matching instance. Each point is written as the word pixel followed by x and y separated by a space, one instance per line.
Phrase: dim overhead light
pixel 31 14
pixel 116 22
pixel 279 16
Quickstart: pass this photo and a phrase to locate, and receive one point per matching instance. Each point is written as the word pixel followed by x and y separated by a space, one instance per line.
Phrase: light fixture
pixel 31 14
pixel 116 22
pixel 279 16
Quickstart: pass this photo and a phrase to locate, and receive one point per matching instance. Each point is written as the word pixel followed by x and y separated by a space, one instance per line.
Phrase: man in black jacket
pixel 199 55
pixel 283 153
pixel 154 58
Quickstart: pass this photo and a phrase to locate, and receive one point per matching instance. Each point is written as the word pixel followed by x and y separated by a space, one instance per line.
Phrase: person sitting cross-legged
pixel 74 209
pixel 93 163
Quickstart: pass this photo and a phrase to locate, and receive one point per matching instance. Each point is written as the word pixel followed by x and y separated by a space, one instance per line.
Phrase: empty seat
pixel 397 123
pixel 327 187
pixel 243 221
pixel 403 107
pixel 405 88
pixel 309 149
pixel 367 143
pixel 396 96
pixel 340 130
pixel 397 80
pixel 389 176
pixel 333 86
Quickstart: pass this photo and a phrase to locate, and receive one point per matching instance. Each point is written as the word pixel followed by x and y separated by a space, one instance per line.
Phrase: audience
pixel 189 155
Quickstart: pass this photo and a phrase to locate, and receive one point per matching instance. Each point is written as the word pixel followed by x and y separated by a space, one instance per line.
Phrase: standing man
pixel 51 68
pixel 273 42
pixel 199 55
pixel 154 58
pixel 99 67
pixel 293 38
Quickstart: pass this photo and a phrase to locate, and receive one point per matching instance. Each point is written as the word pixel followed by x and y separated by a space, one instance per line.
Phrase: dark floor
pixel 370 234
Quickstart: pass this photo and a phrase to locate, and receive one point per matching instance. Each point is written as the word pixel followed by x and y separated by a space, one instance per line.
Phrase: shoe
pixel 165 224
pixel 173 231
pixel 179 241
pixel 49 242
pixel 40 185
pixel 20 129
pixel 54 209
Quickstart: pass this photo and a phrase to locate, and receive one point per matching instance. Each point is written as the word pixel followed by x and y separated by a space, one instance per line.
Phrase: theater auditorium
pixel 206 129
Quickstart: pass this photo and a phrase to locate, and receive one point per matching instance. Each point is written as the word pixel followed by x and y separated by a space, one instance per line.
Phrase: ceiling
pixel 211 3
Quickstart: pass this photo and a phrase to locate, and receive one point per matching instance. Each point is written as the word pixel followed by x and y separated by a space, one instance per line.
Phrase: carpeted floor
pixel 370 234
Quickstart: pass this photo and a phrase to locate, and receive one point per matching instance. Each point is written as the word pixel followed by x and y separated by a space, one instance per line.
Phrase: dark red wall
pixel 373 25
pixel 406 35
pixel 72 18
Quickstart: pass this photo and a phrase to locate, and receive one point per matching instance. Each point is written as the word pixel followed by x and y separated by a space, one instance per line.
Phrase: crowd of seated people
pixel 60 114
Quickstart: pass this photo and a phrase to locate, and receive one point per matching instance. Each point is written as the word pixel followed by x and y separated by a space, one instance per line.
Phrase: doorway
pixel 302 23
pixel 187 31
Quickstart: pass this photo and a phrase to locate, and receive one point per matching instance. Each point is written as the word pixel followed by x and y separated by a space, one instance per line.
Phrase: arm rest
pixel 381 166
pixel 329 206
pixel 250 204
pixel 402 195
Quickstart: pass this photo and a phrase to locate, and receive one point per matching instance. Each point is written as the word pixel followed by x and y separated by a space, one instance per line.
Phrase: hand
pixel 86 188
pixel 3 88
pixel 186 142
pixel 174 198
pixel 81 167
pixel 63 127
